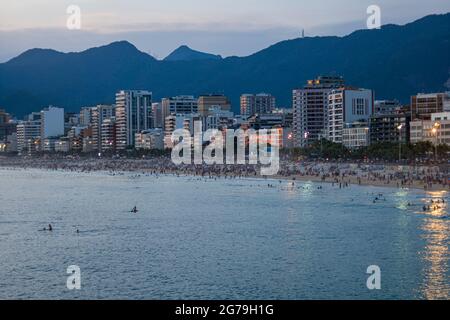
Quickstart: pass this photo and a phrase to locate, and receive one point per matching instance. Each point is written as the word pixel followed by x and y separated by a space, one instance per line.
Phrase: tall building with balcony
pixel 85 116
pixel 158 121
pixel 436 130
pixel 206 102
pixel 386 107
pixel 178 121
pixel 217 119
pixel 98 115
pixel 133 115
pixel 152 139
pixel 310 109
pixel 347 106
pixel 27 132
pixel 355 135
pixel 178 105
pixel 261 103
pixel 393 127
pixel 423 105
pixel 109 135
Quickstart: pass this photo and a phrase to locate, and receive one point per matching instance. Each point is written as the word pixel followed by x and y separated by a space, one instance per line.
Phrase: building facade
pixel 310 106
pixel 386 106
pixel 436 130
pixel 7 130
pixel 133 115
pixel 355 135
pixel 386 128
pixel 158 121
pixel 108 143
pixel 261 103
pixel 347 106
pixel 85 116
pixel 27 131
pixel 52 123
pixel 152 139
pixel 175 122
pixel 206 102
pixel 178 105
pixel 423 105
pixel 98 115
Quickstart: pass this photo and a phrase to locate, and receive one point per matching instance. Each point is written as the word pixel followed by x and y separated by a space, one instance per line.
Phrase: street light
pixel 435 132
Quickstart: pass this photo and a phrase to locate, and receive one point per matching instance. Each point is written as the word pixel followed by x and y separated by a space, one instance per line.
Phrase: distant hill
pixel 395 61
pixel 184 53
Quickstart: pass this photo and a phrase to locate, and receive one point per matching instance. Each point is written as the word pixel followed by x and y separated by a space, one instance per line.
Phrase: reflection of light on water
pixel 306 189
pixel 436 254
pixel 289 189
pixel 402 201
pixel 402 193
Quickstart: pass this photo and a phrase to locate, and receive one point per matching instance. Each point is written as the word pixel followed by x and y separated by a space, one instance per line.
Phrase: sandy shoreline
pixel 342 175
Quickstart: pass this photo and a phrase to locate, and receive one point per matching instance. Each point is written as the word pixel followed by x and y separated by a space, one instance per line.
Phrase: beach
pixel 341 174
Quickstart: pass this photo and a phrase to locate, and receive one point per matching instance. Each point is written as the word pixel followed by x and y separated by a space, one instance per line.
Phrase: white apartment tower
pixel 52 122
pixel 133 115
pixel 27 131
pixel 345 107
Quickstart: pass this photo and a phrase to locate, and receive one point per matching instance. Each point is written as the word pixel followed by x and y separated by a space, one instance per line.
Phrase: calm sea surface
pixel 224 239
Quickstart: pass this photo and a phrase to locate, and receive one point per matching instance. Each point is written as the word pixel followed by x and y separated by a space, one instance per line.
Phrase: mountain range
pixel 395 61
pixel 184 53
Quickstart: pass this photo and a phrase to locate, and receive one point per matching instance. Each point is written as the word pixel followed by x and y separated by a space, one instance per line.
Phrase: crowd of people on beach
pixel 340 174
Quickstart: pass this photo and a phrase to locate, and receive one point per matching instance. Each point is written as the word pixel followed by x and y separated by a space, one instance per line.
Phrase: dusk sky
pixel 217 26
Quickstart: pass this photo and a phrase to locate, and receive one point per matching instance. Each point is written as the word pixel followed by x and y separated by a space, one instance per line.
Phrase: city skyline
pixel 159 27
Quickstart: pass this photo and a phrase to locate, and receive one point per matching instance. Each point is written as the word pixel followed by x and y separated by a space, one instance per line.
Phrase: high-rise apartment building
pixel 108 129
pixel 178 105
pixel 206 102
pixel 158 121
pixel 310 108
pixel 52 122
pixel 133 115
pixel 85 116
pixel 423 105
pixel 386 107
pixel 27 132
pixel 389 127
pixel 172 123
pixel 261 103
pixel 347 106
pixel 98 115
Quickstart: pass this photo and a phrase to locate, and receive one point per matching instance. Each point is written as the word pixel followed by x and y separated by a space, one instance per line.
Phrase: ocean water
pixel 216 239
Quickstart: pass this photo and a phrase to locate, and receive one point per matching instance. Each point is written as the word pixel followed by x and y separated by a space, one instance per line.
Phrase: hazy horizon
pixel 159 27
